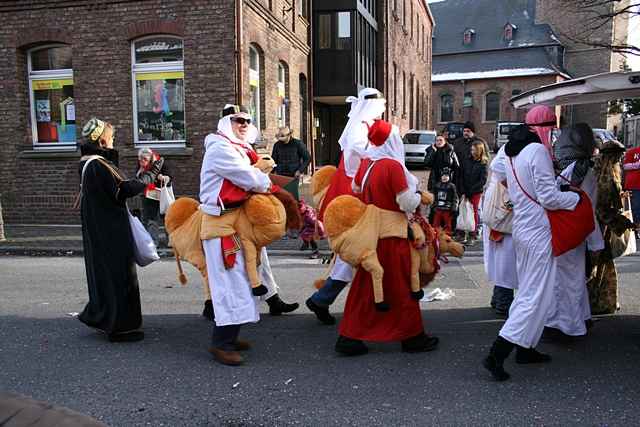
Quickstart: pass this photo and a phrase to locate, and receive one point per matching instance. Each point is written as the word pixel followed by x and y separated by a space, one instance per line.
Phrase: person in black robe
pixel 114 295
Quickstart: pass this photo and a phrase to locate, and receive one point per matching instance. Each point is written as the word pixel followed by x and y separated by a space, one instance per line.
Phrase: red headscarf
pixel 542 119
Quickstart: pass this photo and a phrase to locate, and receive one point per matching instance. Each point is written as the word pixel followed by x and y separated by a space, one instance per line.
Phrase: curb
pixel 79 252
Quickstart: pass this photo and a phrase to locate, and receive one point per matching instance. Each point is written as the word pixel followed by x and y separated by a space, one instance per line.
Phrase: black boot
pixel 417 295
pixel 500 350
pixel 259 291
pixel 277 306
pixel 420 344
pixel 126 336
pixel 530 355
pixel 322 313
pixel 350 347
pixel 208 310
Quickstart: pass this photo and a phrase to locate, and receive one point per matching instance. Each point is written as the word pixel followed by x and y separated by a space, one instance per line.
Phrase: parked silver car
pixel 415 145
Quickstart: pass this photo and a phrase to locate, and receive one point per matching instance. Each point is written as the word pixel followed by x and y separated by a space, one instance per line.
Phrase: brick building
pixel 366 43
pixel 581 59
pixel 499 48
pixel 159 70
pixel 486 55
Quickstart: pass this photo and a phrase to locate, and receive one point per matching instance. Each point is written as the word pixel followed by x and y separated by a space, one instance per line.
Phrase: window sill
pixel 170 152
pixel 50 153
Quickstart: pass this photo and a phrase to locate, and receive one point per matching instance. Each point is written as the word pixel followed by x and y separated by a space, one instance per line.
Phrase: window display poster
pixel 71 112
pixel 43 110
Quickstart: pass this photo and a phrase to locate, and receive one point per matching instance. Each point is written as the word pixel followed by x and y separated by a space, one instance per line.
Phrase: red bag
pixel 568 228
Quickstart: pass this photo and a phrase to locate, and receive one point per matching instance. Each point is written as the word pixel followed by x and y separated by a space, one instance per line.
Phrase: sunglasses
pixel 241 120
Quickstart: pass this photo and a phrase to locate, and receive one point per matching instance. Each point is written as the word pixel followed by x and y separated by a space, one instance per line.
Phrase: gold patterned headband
pixel 97 131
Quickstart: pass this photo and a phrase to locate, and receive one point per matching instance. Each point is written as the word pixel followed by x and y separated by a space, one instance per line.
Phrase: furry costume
pixel 355 228
pixel 261 220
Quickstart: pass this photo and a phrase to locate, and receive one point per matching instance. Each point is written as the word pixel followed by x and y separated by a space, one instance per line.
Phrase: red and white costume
pixel 383 181
pixel 367 106
pixel 227 178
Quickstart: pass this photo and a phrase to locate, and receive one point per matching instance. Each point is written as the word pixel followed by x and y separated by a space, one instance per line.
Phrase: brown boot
pixel 231 358
pixel 242 345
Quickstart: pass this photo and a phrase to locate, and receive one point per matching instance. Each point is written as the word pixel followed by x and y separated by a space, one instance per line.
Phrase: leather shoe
pixel 420 344
pixel 322 313
pixel 232 358
pixel 242 345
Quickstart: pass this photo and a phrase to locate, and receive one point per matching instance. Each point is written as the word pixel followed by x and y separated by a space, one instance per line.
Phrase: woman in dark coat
pixel 439 156
pixel 114 296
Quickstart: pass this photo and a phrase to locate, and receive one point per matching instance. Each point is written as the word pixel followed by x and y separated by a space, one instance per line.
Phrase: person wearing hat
pixel 446 201
pixel 609 208
pixel 227 180
pixel 383 180
pixel 114 295
pixel 463 147
pixel 290 154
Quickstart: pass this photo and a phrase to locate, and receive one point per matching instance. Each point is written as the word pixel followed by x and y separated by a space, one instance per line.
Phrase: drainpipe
pixel 239 51
pixel 310 103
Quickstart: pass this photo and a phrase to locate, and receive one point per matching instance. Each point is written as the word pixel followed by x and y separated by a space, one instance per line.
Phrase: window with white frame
pixel 158 91
pixel 283 96
pixel 53 114
pixel 254 85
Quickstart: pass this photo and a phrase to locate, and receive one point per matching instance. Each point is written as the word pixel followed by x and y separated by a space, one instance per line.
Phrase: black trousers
pixel 224 337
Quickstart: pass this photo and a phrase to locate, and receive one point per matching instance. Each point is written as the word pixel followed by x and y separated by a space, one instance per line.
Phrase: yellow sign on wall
pixel 163 75
pixel 51 84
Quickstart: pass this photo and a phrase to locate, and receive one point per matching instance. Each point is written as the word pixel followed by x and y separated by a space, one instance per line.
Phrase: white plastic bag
pixel 466 220
pixel 497 213
pixel 166 198
pixel 144 249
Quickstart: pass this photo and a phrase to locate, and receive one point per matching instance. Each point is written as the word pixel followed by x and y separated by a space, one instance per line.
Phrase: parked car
pixel 454 130
pixel 501 134
pixel 415 144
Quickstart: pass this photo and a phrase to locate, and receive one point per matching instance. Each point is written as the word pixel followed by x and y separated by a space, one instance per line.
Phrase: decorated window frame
pixel 168 92
pixel 52 127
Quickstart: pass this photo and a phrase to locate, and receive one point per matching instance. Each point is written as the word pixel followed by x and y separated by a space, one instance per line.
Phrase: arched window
pixel 283 94
pixel 491 107
pixel 53 114
pixel 255 90
pixel 158 90
pixel 446 108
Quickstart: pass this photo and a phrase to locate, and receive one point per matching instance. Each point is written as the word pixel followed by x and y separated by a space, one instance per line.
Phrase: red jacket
pixel 631 166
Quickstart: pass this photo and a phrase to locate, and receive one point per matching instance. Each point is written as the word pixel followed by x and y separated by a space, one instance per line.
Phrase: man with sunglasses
pixel 227 179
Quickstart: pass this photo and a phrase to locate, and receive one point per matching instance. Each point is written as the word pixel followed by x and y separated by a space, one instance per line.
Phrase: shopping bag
pixel 166 198
pixel 466 220
pixel 144 249
pixel 497 210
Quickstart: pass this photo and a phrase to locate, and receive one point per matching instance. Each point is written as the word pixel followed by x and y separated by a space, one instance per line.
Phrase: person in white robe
pixel 499 253
pixel 531 162
pixel 574 152
pixel 226 178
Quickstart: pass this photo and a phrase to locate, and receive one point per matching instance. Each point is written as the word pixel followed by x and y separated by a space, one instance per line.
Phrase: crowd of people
pixel 514 195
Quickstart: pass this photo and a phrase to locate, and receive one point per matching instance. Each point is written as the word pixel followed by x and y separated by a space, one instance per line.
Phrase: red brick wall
pixel 281 38
pixel 40 188
pixel 406 51
pixel 479 88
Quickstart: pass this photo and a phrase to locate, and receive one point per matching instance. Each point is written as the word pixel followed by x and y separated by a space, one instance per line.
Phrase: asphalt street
pixel 293 375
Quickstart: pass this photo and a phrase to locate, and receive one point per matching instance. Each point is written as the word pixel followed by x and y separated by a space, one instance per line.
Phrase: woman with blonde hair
pixel 474 180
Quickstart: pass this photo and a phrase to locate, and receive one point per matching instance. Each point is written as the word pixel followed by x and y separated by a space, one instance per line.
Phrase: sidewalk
pixel 66 240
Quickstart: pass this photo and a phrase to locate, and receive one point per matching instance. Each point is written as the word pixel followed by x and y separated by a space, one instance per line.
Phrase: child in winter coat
pixel 446 201
pixel 312 229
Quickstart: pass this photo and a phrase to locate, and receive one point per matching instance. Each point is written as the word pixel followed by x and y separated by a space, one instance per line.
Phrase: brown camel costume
pixel 354 229
pixel 261 220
